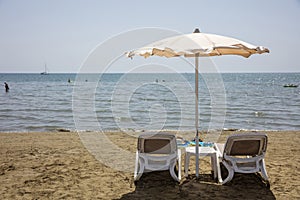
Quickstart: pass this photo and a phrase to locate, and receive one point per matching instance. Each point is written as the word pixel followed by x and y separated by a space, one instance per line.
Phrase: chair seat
pixel 243 153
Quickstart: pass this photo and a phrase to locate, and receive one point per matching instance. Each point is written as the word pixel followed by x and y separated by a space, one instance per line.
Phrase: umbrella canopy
pixel 198 45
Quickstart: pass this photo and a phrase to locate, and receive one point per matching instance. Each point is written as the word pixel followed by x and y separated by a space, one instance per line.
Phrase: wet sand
pixel 56 165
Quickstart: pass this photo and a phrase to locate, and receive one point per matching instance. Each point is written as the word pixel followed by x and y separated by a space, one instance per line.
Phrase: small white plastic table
pixel 204 151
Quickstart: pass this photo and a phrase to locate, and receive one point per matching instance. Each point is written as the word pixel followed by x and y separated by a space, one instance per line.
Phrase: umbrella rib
pixel 213 44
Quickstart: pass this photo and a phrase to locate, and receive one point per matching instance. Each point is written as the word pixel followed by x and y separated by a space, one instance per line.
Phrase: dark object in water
pixel 290 85
pixel 62 130
pixel 6 87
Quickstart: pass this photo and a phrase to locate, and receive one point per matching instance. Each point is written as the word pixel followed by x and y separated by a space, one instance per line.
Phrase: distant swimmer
pixel 69 80
pixel 6 87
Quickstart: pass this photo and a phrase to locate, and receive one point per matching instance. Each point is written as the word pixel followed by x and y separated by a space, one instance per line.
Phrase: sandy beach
pixel 56 165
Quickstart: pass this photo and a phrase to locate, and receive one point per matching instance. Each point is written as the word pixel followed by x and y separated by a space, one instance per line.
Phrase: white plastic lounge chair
pixel 244 153
pixel 157 152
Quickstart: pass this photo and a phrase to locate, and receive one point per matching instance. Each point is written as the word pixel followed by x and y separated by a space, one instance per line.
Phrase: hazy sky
pixel 62 33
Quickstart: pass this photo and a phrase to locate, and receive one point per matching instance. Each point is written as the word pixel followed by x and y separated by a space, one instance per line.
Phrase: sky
pixel 64 33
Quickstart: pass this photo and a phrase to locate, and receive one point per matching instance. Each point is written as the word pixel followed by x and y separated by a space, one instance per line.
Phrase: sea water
pixel 96 102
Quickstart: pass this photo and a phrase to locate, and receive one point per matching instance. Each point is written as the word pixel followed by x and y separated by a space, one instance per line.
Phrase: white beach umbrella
pixel 198 45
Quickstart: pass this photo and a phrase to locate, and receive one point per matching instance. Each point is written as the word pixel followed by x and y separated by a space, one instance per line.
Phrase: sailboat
pixel 45 72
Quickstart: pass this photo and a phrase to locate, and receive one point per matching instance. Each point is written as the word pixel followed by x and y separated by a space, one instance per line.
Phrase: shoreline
pixel 56 165
pixel 66 130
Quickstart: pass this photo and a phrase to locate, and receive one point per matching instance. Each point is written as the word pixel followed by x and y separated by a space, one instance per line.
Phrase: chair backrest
pixel 157 143
pixel 246 144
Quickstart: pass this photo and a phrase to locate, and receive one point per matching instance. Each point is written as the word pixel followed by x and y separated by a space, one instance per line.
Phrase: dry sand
pixel 58 166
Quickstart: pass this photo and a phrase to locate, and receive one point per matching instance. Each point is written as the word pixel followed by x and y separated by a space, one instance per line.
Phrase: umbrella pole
pixel 196 112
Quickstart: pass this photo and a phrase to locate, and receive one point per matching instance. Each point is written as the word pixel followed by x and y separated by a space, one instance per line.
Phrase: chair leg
pixel 217 169
pixel 179 164
pixel 186 164
pixel 263 170
pixel 140 171
pixel 213 165
pixel 136 166
pixel 172 171
pixel 139 167
pixel 230 173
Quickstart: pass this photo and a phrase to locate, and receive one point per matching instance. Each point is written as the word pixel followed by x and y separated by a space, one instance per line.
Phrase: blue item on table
pixel 203 144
